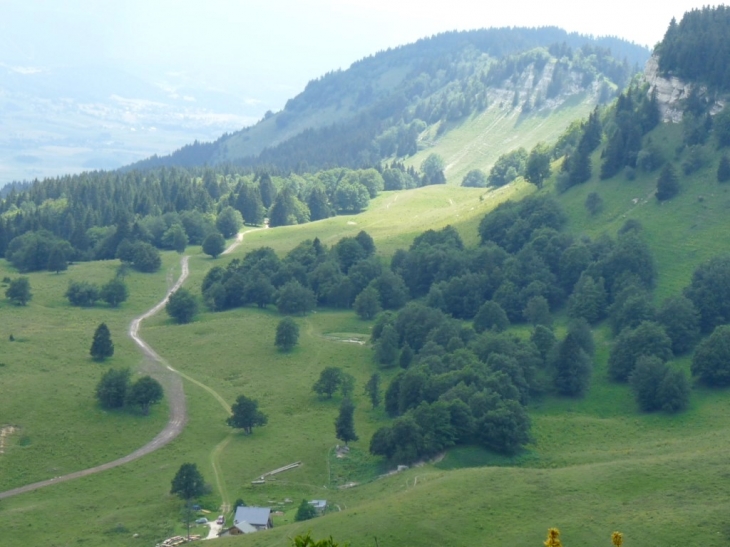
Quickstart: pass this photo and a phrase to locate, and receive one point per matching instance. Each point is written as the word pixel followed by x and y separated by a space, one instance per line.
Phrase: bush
pixel 114 292
pixel 18 291
pixel 182 306
pixel 475 179
pixel 82 293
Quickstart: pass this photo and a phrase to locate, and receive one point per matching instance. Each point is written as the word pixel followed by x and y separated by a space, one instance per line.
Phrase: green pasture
pixel 596 464
pixel 477 141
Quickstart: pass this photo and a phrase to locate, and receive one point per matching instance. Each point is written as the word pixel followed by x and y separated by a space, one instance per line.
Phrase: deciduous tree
pixel 111 391
pixel 246 414
pixel 18 291
pixel 287 334
pixel 182 306
pixel 145 392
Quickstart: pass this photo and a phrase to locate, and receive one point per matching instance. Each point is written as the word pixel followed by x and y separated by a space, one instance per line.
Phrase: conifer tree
pixel 667 186
pixel 372 389
pixel 723 170
pixel 345 424
pixel 102 345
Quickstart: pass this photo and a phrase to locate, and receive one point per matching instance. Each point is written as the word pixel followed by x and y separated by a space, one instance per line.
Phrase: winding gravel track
pixel 157 367
pixel 164 373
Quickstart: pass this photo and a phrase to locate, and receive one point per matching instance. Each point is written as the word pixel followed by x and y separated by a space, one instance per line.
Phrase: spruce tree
pixel 573 368
pixel 372 389
pixel 345 424
pixel 102 346
pixel 723 170
pixel 667 186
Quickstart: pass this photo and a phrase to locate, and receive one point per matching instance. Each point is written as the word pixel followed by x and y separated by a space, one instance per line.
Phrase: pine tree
pixel 667 185
pixel 723 170
pixel 345 424
pixel 573 368
pixel 372 389
pixel 102 346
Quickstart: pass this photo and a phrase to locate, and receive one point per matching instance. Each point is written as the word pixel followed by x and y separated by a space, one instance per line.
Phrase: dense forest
pixel 697 49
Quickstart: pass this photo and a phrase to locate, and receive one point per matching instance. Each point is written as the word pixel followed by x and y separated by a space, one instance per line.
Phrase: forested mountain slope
pixel 387 105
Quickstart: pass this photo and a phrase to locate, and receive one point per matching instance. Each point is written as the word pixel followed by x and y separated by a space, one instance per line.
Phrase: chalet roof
pixel 255 516
pixel 318 504
pixel 245 527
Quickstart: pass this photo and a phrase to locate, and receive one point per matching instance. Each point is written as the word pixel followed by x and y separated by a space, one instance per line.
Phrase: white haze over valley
pixel 94 84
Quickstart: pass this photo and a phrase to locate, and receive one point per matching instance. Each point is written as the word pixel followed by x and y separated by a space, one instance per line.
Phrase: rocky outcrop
pixel 671 92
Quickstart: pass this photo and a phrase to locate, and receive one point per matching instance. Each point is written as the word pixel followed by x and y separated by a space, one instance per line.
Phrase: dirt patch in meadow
pixel 5 432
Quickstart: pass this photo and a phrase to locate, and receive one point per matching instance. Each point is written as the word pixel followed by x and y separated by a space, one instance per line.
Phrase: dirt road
pixel 158 368
pixel 155 366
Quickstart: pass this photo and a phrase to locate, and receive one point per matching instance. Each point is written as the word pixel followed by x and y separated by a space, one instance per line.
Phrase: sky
pixel 269 49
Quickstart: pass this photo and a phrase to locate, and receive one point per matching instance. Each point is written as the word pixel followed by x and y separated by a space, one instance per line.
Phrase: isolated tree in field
pixel 188 484
pixel 667 185
pixel 538 165
pixel 246 415
pixel 18 291
pixel 182 306
pixel 329 382
pixel 145 392
pixel 347 385
pixel 306 511
pixel 114 292
pixel 345 422
pixel 111 391
pixel 57 260
pixel 594 203
pixel 617 539
pixel 102 345
pixel 214 244
pixel 287 334
pixel 372 389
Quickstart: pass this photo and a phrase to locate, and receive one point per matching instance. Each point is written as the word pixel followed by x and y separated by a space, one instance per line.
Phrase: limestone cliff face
pixel 671 92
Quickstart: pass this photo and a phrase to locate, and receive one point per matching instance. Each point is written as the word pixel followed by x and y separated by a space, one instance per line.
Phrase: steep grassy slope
pixel 477 142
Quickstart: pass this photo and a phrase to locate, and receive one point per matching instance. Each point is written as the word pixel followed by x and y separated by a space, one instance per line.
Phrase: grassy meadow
pixel 596 464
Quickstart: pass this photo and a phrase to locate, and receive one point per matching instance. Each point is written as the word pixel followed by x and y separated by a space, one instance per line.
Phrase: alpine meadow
pixel 474 290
